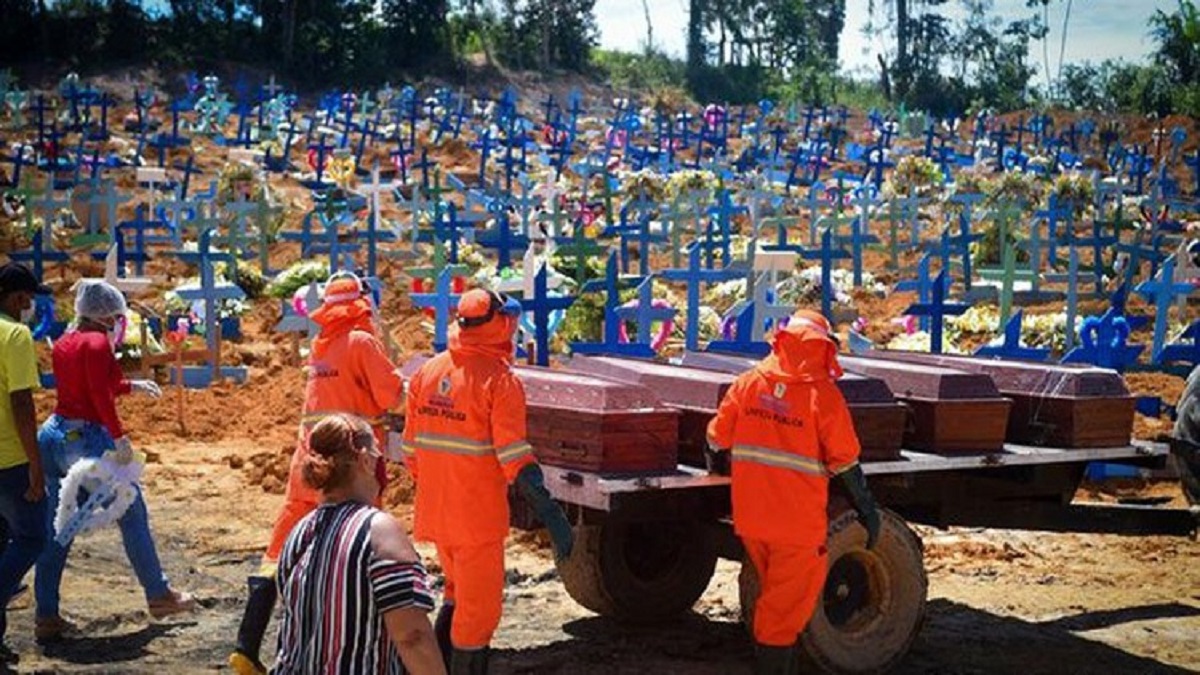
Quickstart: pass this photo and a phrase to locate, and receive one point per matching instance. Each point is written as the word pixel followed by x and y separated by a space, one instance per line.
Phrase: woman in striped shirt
pixel 355 595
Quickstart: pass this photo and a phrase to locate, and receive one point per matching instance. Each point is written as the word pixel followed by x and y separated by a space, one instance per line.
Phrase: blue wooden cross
pixel 484 145
pixel 40 252
pixel 1185 349
pixel 1052 215
pixel 447 230
pixel 645 313
pixel 859 237
pixel 936 310
pixel 828 255
pixel 211 292
pixel 640 232
pixel 317 182
pixel 306 236
pixel 503 240
pixel 877 163
pixel 139 255
pixel 443 303
pixel 1194 162
pixel 611 342
pixel 341 254
pixel 1104 342
pixel 542 305
pixel 694 276
pixel 1162 292
pixel 963 241
pixel 1011 347
pixel 1098 242
pixel 1140 252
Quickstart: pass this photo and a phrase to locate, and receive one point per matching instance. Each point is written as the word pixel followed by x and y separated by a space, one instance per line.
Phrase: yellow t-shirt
pixel 18 370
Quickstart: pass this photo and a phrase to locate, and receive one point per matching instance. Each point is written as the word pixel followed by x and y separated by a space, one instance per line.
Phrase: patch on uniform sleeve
pixel 780 390
pixel 444 386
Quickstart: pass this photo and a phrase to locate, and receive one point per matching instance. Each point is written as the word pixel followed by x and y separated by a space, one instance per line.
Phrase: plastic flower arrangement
pixel 1076 190
pixel 914 175
pixel 297 276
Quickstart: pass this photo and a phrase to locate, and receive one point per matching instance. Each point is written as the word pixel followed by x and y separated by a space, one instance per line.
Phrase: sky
pixel 1099 29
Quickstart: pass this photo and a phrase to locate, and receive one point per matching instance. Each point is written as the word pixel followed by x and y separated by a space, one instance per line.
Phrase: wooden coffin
pixel 694 392
pixel 879 418
pixel 953 412
pixel 1060 406
pixel 579 421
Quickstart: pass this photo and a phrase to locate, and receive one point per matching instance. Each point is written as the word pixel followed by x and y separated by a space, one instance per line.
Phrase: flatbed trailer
pixel 647 543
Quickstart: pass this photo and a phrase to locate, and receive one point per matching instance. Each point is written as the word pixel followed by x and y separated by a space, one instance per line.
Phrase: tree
pixel 1178 54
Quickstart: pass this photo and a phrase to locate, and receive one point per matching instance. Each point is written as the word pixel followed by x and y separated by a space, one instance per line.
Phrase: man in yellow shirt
pixel 22 487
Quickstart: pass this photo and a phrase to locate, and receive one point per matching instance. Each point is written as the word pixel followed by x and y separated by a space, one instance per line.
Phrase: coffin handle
pixel 572 449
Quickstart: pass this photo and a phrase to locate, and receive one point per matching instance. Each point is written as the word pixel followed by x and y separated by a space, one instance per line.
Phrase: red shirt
pixel 88 380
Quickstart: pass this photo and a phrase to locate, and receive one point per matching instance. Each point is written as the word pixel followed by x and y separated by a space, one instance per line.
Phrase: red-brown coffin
pixel 952 411
pixel 579 421
pixel 1054 405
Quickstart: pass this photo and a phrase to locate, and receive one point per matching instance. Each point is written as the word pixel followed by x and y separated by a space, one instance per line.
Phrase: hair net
pixel 98 300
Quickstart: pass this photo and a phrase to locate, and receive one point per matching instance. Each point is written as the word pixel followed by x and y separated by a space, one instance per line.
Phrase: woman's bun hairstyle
pixel 334 444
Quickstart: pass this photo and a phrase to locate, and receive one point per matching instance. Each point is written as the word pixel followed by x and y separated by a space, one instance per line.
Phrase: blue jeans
pixel 63 442
pixel 27 533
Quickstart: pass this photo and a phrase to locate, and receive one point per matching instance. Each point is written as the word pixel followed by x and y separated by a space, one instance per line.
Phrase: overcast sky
pixel 1099 29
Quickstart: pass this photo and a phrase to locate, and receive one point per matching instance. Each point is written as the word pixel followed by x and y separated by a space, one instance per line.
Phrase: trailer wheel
pixel 638 572
pixel 874 601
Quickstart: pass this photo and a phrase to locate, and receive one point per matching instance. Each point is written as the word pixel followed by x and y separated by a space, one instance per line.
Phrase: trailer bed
pixel 598 491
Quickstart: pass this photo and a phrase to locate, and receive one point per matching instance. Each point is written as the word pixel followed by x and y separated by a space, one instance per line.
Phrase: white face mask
pixel 29 314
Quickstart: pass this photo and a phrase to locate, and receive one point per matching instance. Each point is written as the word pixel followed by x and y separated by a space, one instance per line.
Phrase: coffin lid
pixel 680 386
pixel 571 390
pixel 925 381
pixel 1027 377
pixel 856 388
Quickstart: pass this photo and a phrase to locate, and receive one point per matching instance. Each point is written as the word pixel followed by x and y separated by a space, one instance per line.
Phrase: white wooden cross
pixel 152 176
pixel 373 191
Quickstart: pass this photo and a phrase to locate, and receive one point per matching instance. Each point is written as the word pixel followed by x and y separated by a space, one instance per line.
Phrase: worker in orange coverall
pixel 465 443
pixel 789 430
pixel 348 372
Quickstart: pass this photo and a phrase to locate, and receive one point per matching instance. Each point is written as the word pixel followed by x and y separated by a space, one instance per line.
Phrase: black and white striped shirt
pixel 335 591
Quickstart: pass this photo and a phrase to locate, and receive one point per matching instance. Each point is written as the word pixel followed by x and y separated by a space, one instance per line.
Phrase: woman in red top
pixel 85 425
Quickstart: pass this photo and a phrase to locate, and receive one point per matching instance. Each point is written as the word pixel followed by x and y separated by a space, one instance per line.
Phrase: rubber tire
pixel 897 565
pixel 599 576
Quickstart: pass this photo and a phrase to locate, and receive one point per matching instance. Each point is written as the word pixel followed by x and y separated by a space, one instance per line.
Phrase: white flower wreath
pixel 111 491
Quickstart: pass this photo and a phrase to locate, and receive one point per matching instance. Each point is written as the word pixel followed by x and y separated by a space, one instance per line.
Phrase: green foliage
pixel 584 320
pixel 625 70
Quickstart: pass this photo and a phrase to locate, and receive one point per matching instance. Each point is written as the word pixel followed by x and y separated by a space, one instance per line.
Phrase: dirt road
pixel 1001 602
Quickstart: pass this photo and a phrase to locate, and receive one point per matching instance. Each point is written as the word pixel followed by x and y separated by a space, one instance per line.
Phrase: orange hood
pixel 337 320
pixel 493 339
pixel 803 351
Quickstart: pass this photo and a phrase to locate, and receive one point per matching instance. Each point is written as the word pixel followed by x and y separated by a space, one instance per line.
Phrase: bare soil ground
pixel 1000 601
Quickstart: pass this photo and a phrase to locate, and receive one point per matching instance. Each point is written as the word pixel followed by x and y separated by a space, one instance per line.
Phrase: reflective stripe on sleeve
pixel 842 469
pixel 513 452
pixel 778 458
pixel 455 445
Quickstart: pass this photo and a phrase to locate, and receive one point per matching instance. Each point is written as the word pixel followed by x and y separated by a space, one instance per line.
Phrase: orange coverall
pixel 789 429
pixel 465 443
pixel 349 372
